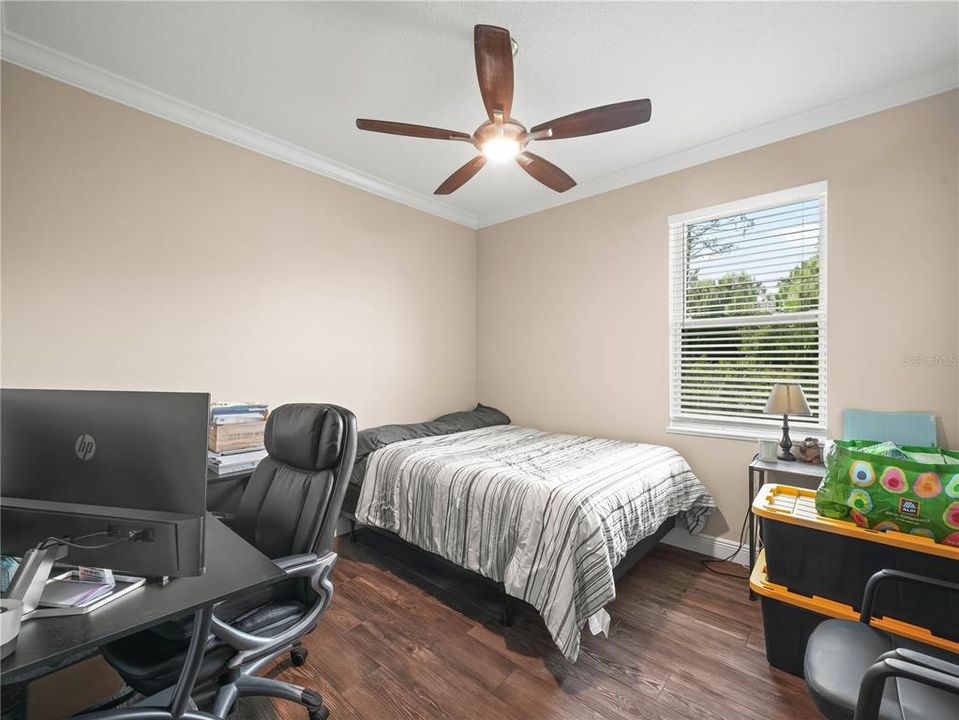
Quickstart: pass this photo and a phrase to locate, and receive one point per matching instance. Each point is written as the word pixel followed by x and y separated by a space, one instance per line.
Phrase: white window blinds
pixel 748 309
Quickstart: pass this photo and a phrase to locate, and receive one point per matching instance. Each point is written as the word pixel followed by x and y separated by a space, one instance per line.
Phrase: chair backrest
pixel 902 428
pixel 292 501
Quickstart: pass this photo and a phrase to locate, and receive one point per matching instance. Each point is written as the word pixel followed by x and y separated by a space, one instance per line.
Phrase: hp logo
pixel 85 446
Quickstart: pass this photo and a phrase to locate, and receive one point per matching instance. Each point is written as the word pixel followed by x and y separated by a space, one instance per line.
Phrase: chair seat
pixel 150 661
pixel 838 654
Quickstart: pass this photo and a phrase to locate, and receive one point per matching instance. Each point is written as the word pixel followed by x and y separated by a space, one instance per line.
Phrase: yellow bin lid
pixel 759 582
pixel 789 504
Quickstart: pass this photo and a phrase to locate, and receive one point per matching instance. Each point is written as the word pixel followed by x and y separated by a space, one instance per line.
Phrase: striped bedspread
pixel 548 515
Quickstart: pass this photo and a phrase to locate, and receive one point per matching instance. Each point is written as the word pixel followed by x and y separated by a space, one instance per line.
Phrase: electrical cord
pixel 742 541
pixel 118 539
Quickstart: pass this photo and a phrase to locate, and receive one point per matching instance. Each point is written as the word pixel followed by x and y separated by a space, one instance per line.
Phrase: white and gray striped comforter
pixel 548 515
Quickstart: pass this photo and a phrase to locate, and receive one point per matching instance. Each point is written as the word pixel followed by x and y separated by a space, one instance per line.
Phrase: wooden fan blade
pixel 494 68
pixel 544 171
pixel 459 178
pixel 420 131
pixel 597 120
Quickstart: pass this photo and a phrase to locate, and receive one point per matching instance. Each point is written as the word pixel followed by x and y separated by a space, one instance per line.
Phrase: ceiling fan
pixel 503 138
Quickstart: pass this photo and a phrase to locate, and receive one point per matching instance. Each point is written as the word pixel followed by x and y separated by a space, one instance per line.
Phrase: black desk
pixel 223 492
pixel 232 566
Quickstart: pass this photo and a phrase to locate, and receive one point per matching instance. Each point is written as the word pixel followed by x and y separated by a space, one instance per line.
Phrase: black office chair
pixel 289 511
pixel 856 672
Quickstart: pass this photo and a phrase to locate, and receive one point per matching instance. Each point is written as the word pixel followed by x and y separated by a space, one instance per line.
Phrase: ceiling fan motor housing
pixel 509 130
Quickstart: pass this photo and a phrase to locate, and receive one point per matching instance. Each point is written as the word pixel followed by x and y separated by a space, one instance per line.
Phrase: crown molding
pixel 42 59
pixel 39 58
pixel 834 113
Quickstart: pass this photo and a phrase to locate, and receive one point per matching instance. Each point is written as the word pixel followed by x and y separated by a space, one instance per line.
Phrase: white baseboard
pixel 719 548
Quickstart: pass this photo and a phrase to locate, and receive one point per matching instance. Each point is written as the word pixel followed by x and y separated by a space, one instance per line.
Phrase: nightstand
pixel 757 478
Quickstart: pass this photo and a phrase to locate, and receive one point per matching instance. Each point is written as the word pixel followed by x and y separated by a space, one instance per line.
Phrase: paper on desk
pixel 96 575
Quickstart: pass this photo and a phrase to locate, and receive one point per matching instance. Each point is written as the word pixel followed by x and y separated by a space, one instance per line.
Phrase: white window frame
pixel 742 429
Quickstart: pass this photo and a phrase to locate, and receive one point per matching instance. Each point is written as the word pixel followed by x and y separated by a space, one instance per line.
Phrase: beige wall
pixel 140 254
pixel 573 301
pixel 118 228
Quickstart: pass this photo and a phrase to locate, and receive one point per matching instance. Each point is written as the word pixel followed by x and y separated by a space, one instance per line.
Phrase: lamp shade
pixel 787 399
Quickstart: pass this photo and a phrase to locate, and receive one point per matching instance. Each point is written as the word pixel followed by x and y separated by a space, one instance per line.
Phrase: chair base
pixel 216 701
pixel 256 686
pixel 298 655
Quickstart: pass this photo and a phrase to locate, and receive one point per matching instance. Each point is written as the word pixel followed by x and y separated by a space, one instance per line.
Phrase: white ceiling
pixel 721 76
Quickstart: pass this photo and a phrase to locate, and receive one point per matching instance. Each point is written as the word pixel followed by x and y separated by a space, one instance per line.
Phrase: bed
pixel 549 516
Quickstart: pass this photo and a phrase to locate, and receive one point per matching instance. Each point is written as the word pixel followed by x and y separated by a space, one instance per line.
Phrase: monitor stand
pixel 32 575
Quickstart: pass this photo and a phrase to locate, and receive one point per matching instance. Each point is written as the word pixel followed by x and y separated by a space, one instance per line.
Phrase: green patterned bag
pixel 884 487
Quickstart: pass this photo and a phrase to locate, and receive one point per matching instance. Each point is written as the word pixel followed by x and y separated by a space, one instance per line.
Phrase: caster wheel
pixel 298 656
pixel 322 714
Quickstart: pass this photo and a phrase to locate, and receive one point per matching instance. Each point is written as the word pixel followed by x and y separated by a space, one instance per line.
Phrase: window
pixel 748 309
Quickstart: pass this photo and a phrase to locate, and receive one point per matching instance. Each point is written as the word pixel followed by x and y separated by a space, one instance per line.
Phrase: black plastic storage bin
pixel 789 619
pixel 787 628
pixel 815 556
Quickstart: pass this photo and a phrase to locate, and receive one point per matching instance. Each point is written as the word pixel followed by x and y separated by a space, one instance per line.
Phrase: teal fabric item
pixel 902 428
pixel 8 568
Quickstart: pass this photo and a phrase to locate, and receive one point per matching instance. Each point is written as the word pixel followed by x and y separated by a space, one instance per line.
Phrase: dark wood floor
pixel 408 638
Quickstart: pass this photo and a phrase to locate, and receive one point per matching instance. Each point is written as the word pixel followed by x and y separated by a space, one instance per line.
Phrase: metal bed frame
pixel 633 556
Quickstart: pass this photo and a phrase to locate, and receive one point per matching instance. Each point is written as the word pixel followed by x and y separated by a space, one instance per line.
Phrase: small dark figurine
pixel 809 451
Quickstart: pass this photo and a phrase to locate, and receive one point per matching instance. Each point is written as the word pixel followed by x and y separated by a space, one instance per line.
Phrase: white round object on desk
pixel 10 613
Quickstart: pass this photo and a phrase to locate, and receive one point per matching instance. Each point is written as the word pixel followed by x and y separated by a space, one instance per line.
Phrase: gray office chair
pixel 288 511
pixel 856 672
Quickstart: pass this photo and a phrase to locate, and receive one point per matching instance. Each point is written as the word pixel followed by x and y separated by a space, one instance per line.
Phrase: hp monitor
pixel 95 468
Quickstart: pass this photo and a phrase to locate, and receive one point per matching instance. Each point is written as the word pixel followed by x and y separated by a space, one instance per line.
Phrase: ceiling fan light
pixel 501 149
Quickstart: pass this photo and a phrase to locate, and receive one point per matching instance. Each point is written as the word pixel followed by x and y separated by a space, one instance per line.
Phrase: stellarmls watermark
pixel 949 360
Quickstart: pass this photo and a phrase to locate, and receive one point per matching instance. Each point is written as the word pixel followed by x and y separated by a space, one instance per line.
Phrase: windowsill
pixel 745 433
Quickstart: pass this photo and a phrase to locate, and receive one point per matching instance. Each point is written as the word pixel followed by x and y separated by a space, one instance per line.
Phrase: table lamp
pixel 787 399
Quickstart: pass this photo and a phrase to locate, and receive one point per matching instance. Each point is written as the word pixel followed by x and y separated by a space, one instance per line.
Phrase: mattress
pixel 547 515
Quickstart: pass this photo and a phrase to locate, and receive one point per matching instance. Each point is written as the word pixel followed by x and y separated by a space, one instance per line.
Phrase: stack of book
pixel 236 437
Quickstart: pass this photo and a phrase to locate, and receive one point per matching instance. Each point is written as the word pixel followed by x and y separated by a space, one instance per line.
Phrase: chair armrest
pixel 874 681
pixel 249 646
pixel 869 596
pixel 291 561
pixel 918 658
pixel 309 565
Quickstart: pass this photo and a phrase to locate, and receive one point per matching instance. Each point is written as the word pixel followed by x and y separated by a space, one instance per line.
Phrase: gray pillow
pixel 481 416
pixel 377 437
pixel 374 438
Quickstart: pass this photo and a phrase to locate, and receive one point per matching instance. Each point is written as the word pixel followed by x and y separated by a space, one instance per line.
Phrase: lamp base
pixel 786 445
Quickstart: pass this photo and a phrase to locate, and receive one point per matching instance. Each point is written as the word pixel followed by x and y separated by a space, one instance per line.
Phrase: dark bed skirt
pixel 639 550
pixel 350 499
pixel 633 556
